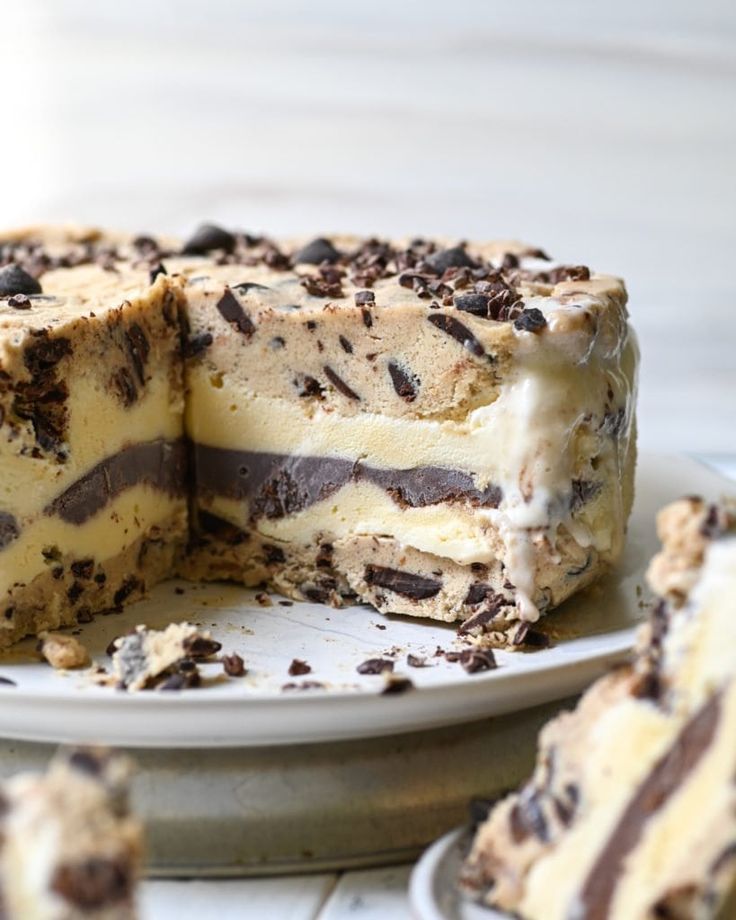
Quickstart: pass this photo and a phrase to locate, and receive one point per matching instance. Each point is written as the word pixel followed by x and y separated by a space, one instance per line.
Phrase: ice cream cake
pixel 438 429
pixel 69 849
pixel 631 811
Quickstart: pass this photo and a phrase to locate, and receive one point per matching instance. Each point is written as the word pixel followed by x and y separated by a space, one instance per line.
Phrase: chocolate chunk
pixel 477 593
pixel 395 685
pixel 569 273
pixel 314 253
pixel 364 298
pixel 375 666
pixel 346 345
pixel 233 665
pixel 159 464
pixel 20 302
pixel 138 351
pixel 407 584
pixel 94 884
pixel 405 383
pixel 87 761
pixel 531 320
pixel 42 401
pixel 322 287
pixel 129 585
pixel 156 271
pixel 208 237
pixel 308 386
pixel 456 330
pixel 477 304
pixel 339 384
pixel 232 310
pixel 7 682
pixel 455 257
pixel 146 244
pixel 479 810
pixel 526 636
pixel 201 647
pixel 181 679
pixel 527 819
pixel 479 659
pixel 197 344
pixel 367 317
pixel 15 280
pixel 273 555
pixel 123 383
pixel 83 568
pixel 9 529
pixel 298 667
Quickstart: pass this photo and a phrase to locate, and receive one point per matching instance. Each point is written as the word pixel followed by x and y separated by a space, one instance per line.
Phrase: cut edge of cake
pixel 631 811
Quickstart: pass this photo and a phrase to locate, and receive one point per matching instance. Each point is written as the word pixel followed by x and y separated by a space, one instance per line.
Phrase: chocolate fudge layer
pixel 68 847
pixel 437 429
pixel 631 812
pixel 93 460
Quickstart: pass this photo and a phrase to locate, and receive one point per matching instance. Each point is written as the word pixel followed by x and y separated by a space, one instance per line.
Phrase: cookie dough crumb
pixel 147 657
pixel 63 652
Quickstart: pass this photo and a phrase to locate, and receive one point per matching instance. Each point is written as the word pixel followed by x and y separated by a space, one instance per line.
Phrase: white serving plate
pixel 433 892
pixel 593 631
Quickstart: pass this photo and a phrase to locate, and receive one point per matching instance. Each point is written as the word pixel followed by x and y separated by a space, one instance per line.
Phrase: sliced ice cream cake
pixel 631 811
pixel 437 429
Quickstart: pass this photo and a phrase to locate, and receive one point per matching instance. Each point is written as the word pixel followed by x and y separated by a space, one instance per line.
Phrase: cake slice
pixel 92 456
pixel 437 430
pixel 69 849
pixel 631 811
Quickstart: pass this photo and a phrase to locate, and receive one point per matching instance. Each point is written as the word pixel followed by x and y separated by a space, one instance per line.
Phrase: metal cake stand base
pixel 314 807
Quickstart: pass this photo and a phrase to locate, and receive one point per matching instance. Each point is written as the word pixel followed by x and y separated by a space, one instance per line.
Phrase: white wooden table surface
pixel 603 132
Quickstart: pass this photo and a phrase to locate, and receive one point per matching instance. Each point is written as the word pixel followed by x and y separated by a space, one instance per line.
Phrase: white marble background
pixel 604 132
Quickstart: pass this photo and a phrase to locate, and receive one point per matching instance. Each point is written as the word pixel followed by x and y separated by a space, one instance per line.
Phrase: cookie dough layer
pixel 631 813
pixel 68 847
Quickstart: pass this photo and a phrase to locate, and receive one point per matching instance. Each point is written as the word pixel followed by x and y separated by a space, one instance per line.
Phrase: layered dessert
pixel 631 811
pixel 69 849
pixel 92 456
pixel 437 429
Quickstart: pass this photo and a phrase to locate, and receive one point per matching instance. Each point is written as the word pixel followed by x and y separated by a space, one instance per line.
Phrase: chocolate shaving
pixel 407 584
pixel 375 666
pixel 405 383
pixel 456 330
pixel 339 384
pixel 298 667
